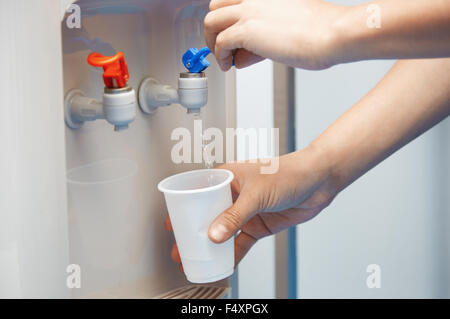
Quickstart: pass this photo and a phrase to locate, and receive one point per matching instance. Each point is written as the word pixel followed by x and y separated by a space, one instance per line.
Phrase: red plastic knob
pixel 115 69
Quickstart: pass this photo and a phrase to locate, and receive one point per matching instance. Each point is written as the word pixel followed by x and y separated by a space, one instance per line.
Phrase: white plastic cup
pixel 194 199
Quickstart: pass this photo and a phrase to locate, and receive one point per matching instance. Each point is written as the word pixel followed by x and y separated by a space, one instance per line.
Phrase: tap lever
pixel 195 60
pixel 115 68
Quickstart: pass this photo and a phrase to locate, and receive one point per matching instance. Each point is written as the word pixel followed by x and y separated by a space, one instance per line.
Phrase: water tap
pixel 192 92
pixel 119 100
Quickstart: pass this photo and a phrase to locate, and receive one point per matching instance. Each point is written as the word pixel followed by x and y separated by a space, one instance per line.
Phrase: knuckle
pixel 209 20
pixel 250 25
pixel 268 229
pixel 241 35
pixel 233 218
pixel 220 41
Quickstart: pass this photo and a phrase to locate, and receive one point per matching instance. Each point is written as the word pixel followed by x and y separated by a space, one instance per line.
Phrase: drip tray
pixel 197 292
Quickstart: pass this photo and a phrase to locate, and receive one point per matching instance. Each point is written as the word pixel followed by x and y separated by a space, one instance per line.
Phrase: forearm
pixel 407 29
pixel 413 97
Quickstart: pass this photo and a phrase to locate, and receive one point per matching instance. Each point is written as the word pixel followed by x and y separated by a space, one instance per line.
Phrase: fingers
pixel 230 221
pixel 181 268
pixel 244 58
pixel 168 224
pixel 242 245
pixel 175 254
pixel 226 43
pixel 217 21
pixel 255 229
pixel 225 35
pixel 217 4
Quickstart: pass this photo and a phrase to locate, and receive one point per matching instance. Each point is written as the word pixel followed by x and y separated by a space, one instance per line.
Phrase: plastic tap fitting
pixel 119 100
pixel 192 91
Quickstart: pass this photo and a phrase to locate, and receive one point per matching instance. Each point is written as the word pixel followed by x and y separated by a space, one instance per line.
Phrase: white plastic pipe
pixel 86 109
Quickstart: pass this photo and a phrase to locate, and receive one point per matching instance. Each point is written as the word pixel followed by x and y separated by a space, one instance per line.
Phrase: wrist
pixel 327 163
pixel 351 35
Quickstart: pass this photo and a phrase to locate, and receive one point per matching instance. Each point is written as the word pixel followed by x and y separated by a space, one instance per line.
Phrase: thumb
pixel 231 220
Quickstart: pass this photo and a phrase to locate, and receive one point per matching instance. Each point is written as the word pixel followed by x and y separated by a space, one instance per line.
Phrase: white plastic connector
pixel 118 108
pixel 192 93
pixel 153 95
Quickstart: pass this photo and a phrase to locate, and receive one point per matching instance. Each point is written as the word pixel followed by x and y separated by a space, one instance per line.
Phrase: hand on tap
pixel 314 34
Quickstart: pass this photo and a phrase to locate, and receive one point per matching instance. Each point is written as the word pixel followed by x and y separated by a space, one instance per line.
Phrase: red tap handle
pixel 115 69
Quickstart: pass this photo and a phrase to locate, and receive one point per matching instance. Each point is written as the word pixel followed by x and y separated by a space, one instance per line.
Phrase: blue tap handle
pixel 195 60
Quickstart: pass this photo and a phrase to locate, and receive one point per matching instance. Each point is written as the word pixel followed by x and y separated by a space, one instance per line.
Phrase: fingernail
pixel 218 232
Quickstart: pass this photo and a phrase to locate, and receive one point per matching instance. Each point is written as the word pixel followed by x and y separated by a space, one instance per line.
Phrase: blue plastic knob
pixel 195 60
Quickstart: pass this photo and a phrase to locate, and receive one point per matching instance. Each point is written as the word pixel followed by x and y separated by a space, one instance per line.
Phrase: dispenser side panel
pixel 33 208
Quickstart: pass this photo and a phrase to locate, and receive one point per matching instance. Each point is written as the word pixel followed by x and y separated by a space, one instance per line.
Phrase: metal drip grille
pixel 196 292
